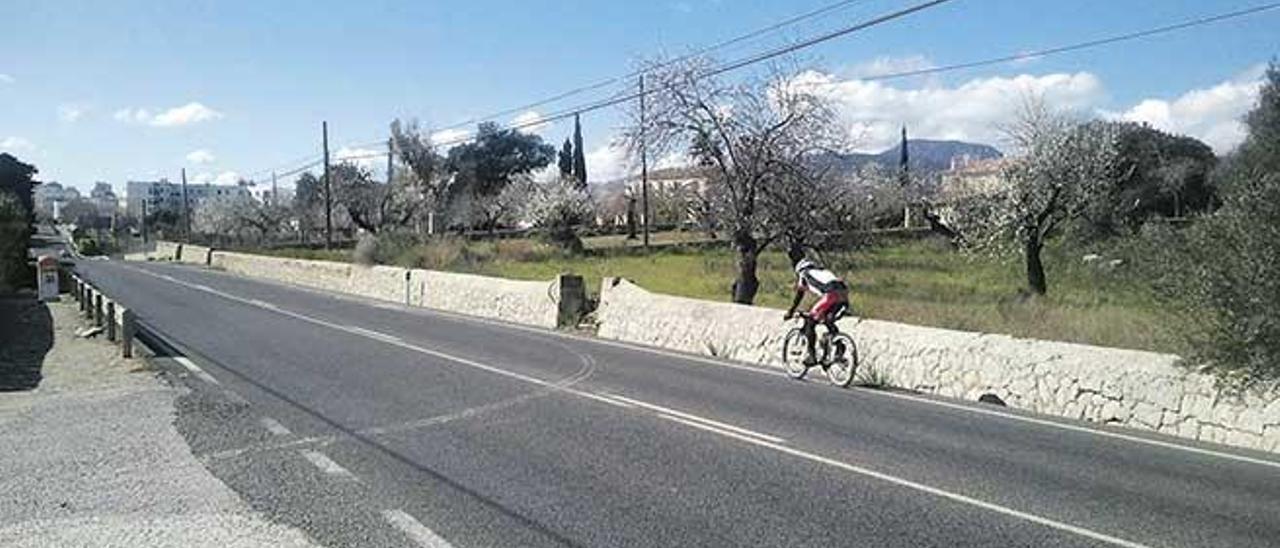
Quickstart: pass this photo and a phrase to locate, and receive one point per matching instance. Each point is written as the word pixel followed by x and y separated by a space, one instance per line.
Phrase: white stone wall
pixel 165 251
pixel 193 254
pixel 1131 388
pixel 526 302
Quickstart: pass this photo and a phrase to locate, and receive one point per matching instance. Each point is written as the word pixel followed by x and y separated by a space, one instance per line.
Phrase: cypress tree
pixel 579 157
pixel 566 158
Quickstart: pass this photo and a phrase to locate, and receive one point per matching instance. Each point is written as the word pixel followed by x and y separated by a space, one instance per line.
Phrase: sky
pixel 138 90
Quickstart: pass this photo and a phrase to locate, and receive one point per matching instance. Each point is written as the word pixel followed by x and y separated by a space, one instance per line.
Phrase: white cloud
pixel 71 112
pixel 607 163
pixel 891 65
pixel 190 113
pixel 16 144
pixel 222 178
pixel 970 111
pixel 201 156
pixel 530 122
pixel 6 79
pixel 372 160
pixel 448 138
pixel 1213 115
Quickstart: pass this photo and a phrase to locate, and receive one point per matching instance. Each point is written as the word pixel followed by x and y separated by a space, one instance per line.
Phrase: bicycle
pixel 837 353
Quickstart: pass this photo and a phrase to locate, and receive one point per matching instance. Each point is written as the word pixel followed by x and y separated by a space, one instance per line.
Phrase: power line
pixel 612 80
pixel 1073 47
pixel 569 112
pixel 1200 21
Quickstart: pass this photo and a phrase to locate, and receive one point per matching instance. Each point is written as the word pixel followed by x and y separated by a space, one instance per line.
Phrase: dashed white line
pixel 409 525
pixel 326 464
pixel 274 426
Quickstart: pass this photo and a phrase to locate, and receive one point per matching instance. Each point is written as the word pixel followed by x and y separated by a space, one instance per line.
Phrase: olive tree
pixel 755 138
pixel 1059 162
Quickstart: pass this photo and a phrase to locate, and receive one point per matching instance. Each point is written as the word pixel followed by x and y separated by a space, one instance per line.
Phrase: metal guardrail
pixel 118 322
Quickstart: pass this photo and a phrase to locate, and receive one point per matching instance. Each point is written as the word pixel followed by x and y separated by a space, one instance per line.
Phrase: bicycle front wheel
pixel 844 360
pixel 794 349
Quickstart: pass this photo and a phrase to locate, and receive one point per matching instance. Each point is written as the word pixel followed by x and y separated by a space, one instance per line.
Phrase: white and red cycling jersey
pixel 832 291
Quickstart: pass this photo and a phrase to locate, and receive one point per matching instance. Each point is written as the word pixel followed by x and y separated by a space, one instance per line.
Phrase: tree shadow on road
pixel 26 335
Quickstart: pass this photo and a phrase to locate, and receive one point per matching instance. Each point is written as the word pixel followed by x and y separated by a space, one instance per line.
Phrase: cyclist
pixel 833 300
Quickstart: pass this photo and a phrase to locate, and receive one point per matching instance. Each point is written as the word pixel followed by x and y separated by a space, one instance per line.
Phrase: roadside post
pixel 47 278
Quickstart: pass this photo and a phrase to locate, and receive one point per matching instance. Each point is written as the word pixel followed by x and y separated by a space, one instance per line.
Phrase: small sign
pixel 47 278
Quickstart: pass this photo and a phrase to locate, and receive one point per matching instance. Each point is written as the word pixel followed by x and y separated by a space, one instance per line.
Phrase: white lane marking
pixel 763 443
pixel 695 418
pixel 374 334
pixel 708 428
pixel 274 426
pixel 604 399
pixel 326 464
pixel 195 370
pixel 764 370
pixel 263 304
pixel 187 363
pixel 1083 429
pixel 409 525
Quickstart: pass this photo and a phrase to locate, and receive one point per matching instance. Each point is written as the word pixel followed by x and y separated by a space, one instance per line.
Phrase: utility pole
pixel 390 152
pixel 186 209
pixel 644 168
pixel 328 190
pixel 275 191
pixel 144 220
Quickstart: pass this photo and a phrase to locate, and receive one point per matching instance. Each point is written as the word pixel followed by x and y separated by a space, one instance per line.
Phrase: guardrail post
pixel 86 309
pixel 80 296
pixel 97 309
pixel 74 289
pixel 111 321
pixel 127 331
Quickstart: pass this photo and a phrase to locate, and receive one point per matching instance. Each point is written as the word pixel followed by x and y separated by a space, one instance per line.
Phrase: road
pixel 368 423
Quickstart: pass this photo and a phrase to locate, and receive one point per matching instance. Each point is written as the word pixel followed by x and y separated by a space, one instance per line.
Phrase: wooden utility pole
pixel 144 220
pixel 186 208
pixel 275 191
pixel 328 189
pixel 644 168
pixel 390 151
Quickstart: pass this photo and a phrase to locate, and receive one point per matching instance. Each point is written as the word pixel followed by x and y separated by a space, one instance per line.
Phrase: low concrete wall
pixel 193 254
pixel 1136 389
pixel 166 251
pixel 526 302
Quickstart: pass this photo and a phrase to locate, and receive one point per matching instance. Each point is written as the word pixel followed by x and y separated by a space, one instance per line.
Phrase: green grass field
pixel 918 282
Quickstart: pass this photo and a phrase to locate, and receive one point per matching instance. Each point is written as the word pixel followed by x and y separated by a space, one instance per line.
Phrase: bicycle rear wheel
pixel 843 363
pixel 794 349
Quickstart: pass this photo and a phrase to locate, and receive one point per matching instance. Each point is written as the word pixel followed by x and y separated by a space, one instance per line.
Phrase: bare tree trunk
pixel 1035 268
pixel 745 287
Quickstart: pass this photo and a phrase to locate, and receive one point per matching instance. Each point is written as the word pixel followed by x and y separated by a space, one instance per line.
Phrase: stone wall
pixel 193 254
pixel 1136 389
pixel 526 302
pixel 165 251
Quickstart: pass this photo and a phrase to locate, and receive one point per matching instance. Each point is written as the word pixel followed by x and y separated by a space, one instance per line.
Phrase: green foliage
pixel 14 233
pixel 16 179
pixel 1160 175
pixel 1223 272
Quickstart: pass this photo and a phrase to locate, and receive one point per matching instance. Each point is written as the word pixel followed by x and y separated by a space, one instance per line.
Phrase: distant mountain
pixel 924 155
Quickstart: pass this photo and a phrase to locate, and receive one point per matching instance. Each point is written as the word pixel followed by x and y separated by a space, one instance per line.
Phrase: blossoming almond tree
pixel 1059 163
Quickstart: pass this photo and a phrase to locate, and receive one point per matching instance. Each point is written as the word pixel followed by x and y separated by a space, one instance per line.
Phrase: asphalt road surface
pixel 367 423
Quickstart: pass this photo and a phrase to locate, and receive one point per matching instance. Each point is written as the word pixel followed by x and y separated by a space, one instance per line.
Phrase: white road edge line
pixel 318 458
pixel 695 418
pixel 187 363
pixel 196 370
pixel 326 464
pixel 420 533
pixel 274 426
pixel 762 370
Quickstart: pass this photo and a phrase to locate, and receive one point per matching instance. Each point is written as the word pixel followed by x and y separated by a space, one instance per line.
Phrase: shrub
pixel 13 243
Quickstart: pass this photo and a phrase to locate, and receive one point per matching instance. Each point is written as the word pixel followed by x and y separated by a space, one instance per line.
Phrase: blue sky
pixel 92 90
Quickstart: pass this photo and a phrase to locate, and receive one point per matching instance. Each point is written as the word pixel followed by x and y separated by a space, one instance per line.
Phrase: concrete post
pixel 81 292
pixel 85 309
pixel 111 321
pixel 572 302
pixel 74 287
pixel 127 330
pixel 97 309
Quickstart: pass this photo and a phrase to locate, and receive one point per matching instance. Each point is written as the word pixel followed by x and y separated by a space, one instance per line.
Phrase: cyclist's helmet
pixel 803 265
